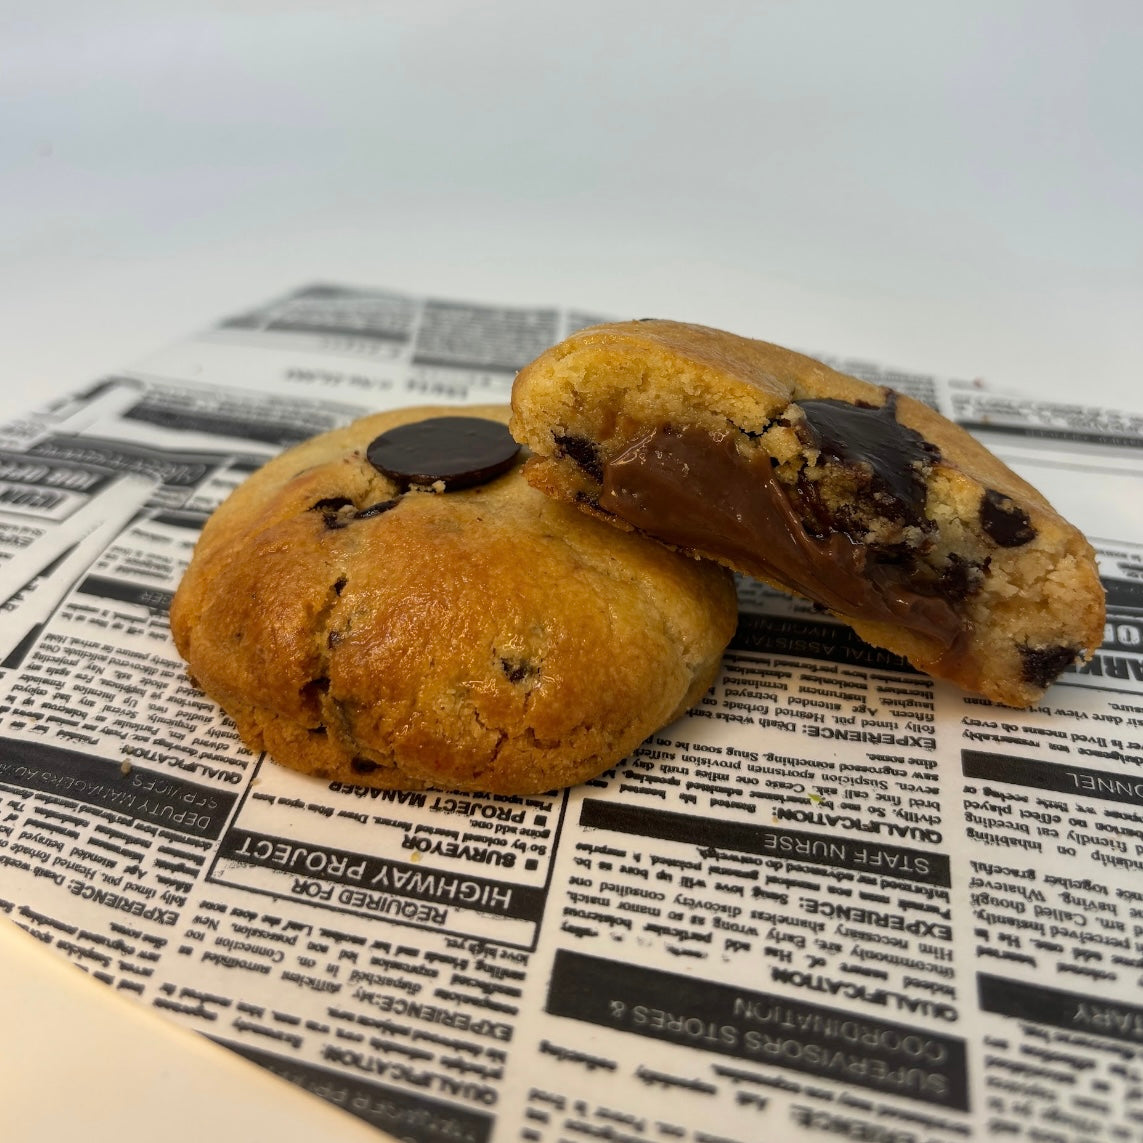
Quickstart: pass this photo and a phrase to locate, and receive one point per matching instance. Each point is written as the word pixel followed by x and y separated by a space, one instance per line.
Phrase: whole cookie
pixel 867 502
pixel 376 628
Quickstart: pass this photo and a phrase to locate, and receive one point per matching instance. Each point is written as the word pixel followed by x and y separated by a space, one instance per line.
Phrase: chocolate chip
pixel 314 689
pixel 338 511
pixel 332 509
pixel 516 670
pixel 1004 521
pixel 961 578
pixel 584 452
pixel 1041 665
pixel 339 585
pixel 377 509
pixel 461 451
pixel 362 766
pixel 311 696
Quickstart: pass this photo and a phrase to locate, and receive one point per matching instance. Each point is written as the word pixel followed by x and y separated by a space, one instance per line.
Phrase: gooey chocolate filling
pixel 694 489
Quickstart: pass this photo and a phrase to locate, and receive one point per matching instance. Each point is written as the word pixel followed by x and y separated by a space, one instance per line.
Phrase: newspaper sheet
pixel 836 900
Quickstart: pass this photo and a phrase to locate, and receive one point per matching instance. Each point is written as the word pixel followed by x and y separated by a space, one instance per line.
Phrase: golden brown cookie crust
pixel 1031 608
pixel 488 639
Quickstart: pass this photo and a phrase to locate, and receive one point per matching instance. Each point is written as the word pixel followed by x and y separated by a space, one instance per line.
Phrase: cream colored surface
pixel 88 1065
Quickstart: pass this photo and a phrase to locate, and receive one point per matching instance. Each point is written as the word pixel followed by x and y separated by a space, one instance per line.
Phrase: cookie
pixel 866 502
pixel 391 604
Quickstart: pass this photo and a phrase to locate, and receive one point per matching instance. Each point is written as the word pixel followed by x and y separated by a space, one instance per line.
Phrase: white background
pixel 949 187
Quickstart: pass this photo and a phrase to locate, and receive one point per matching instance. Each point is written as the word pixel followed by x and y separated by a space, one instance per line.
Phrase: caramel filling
pixel 695 490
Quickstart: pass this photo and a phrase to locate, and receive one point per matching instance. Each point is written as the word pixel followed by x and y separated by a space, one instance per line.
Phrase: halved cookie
pixel 867 502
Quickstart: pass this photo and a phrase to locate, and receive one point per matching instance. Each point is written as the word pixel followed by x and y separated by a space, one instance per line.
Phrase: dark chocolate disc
pixel 858 434
pixel 461 451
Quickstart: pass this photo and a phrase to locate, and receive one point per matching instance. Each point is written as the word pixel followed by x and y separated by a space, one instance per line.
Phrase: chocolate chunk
pixel 516 670
pixel 860 436
pixel 311 695
pixel 961 578
pixel 338 511
pixel 339 585
pixel 1041 665
pixel 315 688
pixel 1004 521
pixel 584 452
pixel 362 766
pixel 460 451
pixel 377 509
pixel 333 511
